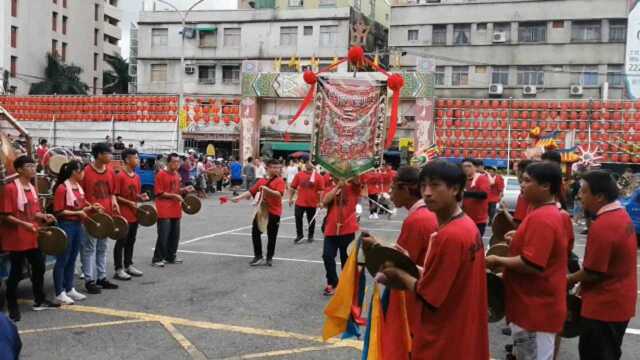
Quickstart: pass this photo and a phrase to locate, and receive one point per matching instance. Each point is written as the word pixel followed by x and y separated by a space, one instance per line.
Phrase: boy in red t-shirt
pixel 308 185
pixel 271 189
pixel 340 227
pixel 535 274
pixel 22 215
pixel 475 201
pixel 496 188
pixel 169 206
pixel 609 277
pixel 100 186
pixel 451 293
pixel 374 181
pixel 129 192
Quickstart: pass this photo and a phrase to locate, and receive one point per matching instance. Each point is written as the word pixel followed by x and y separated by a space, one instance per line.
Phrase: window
pixel 617 31
pixel 440 75
pixel 54 21
pixel 500 75
pixel 63 55
pixel 461 34
pixel 54 47
pixel 96 35
pixel 503 28
pixel 95 62
pixel 328 35
pixel 586 31
pixel 532 32
pixel 459 75
pixel 14 8
pixel 231 74
pixel 295 3
pixel 586 75
pixel 288 35
pixel 307 31
pixel 158 72
pixel 207 74
pixel 64 4
pixel 208 39
pixel 557 24
pixel 14 37
pixel 327 2
pixel 96 11
pixel 615 75
pixel 530 75
pixel 412 35
pixel 159 37
pixel 14 66
pixel 439 36
pixel 64 25
pixel 481 27
pixel 95 85
pixel 232 37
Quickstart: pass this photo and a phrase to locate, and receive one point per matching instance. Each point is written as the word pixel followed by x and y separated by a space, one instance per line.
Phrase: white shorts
pixel 532 345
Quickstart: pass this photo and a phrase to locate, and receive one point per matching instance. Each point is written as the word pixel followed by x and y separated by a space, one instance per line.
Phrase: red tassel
pixel 223 200
pixel 307 100
pixel 287 137
pixel 391 133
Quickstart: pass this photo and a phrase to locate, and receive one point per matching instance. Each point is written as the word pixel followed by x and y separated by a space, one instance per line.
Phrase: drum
pixel 55 164
pixel 99 225
pixel 191 204
pixel 147 215
pixel 52 240
pixel 43 184
pixel 120 229
pixel 495 297
pixel 7 153
pixel 500 249
pixel 501 225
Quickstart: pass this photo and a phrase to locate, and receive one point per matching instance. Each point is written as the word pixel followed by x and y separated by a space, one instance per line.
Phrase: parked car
pixel 511 192
pixel 632 204
pixel 147 172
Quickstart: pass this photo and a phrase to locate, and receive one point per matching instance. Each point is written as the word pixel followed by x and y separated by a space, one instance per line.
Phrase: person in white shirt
pixel 260 170
pixel 292 171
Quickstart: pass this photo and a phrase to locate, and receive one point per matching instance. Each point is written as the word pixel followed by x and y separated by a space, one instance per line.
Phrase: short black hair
pixel 523 164
pixel 43 141
pixel 128 152
pixel 249 159
pixel 601 183
pixel 171 156
pixel 478 162
pixel 119 138
pixel 552 155
pixel 409 176
pixel 450 173
pixel 546 172
pixel 21 161
pixel 100 148
pixel 470 160
pixel 273 162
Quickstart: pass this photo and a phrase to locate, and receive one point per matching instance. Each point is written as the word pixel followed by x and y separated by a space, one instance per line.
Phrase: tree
pixel 60 79
pixel 116 81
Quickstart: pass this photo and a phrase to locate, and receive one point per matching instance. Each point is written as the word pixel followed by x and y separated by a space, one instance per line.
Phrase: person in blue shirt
pixel 10 343
pixel 236 175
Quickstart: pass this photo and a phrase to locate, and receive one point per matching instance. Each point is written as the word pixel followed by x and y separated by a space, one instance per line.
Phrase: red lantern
pixel 606 115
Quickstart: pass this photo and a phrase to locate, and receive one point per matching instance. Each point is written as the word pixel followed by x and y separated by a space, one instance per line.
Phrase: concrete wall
pixel 376 9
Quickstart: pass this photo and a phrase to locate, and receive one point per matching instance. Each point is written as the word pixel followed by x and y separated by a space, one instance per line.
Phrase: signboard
pixel 632 56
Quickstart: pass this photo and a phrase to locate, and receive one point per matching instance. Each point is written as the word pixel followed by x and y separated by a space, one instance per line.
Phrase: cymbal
pixel 500 249
pixel 377 256
pixel 99 225
pixel 501 225
pixel 120 228
pixel 191 204
pixel 573 324
pixel 147 215
pixel 52 240
pixel 495 293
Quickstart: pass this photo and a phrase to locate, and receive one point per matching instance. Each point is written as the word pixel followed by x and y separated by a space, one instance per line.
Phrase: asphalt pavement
pixel 214 306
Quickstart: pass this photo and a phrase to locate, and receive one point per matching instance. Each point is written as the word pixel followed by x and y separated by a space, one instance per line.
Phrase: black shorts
pixel 236 182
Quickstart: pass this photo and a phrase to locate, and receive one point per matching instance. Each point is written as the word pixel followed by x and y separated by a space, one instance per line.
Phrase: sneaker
pixel 92 288
pixel 158 263
pixel 310 239
pixel 14 314
pixel 371 216
pixel 75 295
pixel 329 290
pixel 64 299
pixel 257 261
pixel 375 216
pixel 121 275
pixel 133 271
pixel 269 262
pixel 175 261
pixel 106 284
pixel 298 239
pixel 45 305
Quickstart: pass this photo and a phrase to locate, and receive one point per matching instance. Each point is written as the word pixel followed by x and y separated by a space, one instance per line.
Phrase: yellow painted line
pixel 284 352
pixel 81 326
pixel 210 325
pixel 184 342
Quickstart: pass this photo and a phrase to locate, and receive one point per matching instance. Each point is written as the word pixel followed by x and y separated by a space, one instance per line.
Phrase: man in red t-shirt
pixel 129 192
pixel 522 205
pixel 168 193
pixel 271 190
pixel 609 275
pixel 41 151
pixel 340 227
pixel 451 293
pixel 373 180
pixel 476 192
pixel 496 188
pixel 99 184
pixel 22 214
pixel 535 274
pixel 309 185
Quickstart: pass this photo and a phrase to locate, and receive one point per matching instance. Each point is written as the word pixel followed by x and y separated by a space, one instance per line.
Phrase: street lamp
pixel 183 15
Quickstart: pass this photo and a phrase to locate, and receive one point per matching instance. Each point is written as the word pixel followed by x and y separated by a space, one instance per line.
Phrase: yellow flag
pixel 375 351
pixel 183 119
pixel 338 310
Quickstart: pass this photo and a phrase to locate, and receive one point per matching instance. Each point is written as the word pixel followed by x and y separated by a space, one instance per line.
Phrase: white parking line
pixel 248 256
pixel 222 233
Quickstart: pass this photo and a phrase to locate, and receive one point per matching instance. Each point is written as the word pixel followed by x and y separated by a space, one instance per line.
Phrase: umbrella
pixel 299 154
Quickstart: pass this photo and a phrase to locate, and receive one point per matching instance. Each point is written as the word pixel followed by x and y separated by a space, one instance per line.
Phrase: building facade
pixel 79 32
pixel 551 49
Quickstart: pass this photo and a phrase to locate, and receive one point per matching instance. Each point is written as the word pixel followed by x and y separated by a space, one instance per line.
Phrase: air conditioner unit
pixel 576 90
pixel 189 69
pixel 529 90
pixel 496 89
pixel 189 33
pixel 499 37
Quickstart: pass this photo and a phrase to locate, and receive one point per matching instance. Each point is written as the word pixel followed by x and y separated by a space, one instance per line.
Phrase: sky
pixel 131 8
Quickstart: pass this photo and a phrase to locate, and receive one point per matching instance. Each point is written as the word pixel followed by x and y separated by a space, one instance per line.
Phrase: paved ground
pixel 214 306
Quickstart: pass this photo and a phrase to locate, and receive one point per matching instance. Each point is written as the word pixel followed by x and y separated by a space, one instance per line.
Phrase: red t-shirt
pixel 477 209
pixel 40 153
pixel 374 182
pixel 328 180
pixel 343 211
pixel 611 251
pixel 522 208
pixel 538 302
pixel 18 237
pixel 60 203
pixel 454 282
pixel 387 179
pixel 274 203
pixel 167 183
pixel 99 187
pixel 496 189
pixel 308 192
pixel 128 187
pixel 568 229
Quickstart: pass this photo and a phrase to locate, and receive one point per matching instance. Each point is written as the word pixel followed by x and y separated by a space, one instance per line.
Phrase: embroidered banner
pixel 350 124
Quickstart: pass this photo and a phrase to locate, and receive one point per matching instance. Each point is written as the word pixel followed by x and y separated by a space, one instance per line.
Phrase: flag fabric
pixel 371 349
pixel 395 332
pixel 432 152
